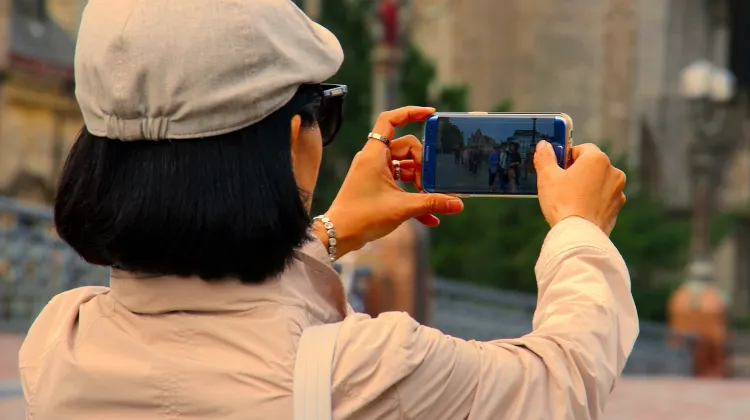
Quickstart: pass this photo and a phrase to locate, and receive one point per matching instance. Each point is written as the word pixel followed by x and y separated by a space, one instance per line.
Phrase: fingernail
pixel 454 206
pixel 541 145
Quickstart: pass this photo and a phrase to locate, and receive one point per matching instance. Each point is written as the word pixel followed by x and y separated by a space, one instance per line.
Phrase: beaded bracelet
pixel 331 235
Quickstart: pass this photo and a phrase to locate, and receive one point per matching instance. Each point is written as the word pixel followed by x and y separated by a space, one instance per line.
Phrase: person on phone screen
pixel 493 167
pixel 193 179
pixel 503 165
pixel 514 166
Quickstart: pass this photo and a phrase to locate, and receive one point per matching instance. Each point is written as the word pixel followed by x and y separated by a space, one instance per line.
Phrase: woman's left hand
pixel 370 204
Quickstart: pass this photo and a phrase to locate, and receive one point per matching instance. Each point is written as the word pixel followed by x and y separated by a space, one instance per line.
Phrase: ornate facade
pixel 39 117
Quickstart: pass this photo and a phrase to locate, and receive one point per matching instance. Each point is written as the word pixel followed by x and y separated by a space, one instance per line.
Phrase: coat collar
pixel 309 282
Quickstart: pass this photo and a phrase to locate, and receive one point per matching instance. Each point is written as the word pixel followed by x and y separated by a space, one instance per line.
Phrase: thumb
pixel 421 204
pixel 545 159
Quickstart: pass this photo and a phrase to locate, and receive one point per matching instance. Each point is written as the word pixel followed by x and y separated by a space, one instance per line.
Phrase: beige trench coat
pixel 171 348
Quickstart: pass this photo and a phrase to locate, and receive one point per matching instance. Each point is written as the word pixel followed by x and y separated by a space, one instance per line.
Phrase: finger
pixel 407 164
pixel 545 159
pixel 621 179
pixel 584 149
pixel 428 220
pixel 407 147
pixel 387 121
pixel 405 175
pixel 421 204
pixel 408 175
pixel 409 172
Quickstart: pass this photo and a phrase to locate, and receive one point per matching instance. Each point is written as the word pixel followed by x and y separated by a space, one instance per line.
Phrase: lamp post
pixel 698 307
pixel 706 88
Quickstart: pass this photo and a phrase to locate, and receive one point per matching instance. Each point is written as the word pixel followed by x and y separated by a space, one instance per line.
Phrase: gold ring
pixel 380 138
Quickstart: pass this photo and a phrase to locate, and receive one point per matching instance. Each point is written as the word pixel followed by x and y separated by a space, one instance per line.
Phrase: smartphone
pixel 482 154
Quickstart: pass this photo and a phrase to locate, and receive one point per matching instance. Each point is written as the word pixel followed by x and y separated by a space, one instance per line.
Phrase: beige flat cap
pixel 175 69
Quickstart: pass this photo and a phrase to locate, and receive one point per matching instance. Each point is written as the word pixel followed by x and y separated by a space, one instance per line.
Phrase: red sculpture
pixel 388 14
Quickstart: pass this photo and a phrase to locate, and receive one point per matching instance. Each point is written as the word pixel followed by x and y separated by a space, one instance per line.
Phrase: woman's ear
pixel 296 127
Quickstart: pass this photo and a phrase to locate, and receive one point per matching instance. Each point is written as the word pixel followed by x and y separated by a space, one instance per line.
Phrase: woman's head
pixel 230 205
pixel 200 156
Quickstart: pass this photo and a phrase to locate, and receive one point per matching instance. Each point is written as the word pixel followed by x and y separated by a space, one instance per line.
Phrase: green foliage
pixel 416 80
pixel 349 21
pixel 496 242
pixel 504 106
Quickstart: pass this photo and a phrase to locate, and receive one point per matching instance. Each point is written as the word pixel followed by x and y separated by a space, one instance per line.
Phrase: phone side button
pixel 426 153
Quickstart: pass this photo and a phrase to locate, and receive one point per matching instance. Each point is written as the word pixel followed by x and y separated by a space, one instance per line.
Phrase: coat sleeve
pixel 584 329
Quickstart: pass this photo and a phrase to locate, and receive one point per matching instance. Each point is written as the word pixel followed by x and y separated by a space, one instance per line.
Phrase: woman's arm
pixel 584 329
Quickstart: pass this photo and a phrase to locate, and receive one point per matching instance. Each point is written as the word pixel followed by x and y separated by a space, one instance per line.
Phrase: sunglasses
pixel 330 114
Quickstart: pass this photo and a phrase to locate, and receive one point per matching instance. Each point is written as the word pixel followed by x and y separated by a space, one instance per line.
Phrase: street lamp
pixel 698 307
pixel 707 88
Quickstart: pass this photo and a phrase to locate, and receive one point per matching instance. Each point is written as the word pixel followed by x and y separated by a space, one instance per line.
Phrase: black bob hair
pixel 216 207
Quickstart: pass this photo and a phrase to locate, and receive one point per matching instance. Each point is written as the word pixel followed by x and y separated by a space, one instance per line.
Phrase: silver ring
pixel 396 170
pixel 379 137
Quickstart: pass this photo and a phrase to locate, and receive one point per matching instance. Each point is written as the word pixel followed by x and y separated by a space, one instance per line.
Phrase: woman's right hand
pixel 370 204
pixel 591 188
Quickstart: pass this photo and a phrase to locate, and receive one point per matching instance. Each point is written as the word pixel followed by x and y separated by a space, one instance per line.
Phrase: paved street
pixel 459 177
pixel 679 398
pixel 11 401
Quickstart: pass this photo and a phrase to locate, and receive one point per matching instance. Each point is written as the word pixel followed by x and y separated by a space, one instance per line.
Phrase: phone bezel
pixel 429 150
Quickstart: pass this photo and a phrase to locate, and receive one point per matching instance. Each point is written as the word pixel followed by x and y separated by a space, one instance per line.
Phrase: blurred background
pixel 662 85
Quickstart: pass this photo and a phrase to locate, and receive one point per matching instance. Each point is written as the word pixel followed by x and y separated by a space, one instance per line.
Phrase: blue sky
pixel 501 129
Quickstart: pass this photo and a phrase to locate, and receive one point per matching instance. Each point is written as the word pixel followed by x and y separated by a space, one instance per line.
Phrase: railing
pixel 35 265
pixel 480 313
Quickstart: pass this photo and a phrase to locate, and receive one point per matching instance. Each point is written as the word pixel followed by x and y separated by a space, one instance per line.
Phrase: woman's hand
pixel 590 188
pixel 370 204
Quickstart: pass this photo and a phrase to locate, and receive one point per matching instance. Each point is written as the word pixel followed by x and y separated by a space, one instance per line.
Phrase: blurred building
pixel 480 140
pixel 614 66
pixel 39 117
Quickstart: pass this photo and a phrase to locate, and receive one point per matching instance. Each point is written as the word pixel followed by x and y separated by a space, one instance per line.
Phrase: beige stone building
pixel 614 66
pixel 545 56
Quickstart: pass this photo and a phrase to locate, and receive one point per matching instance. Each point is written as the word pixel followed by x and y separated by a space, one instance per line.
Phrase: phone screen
pixel 492 154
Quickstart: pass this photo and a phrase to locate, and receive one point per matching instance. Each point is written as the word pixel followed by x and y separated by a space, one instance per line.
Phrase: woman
pixel 205 125
pixel 494 166
pixel 514 166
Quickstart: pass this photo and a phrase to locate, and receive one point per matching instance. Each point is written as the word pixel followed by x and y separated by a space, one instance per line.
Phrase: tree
pixel 348 20
pixel 450 136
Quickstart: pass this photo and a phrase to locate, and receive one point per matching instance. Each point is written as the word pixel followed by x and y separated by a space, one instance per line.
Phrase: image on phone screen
pixel 491 155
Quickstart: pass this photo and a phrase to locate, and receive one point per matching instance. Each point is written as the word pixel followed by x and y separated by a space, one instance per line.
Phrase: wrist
pixel 342 241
